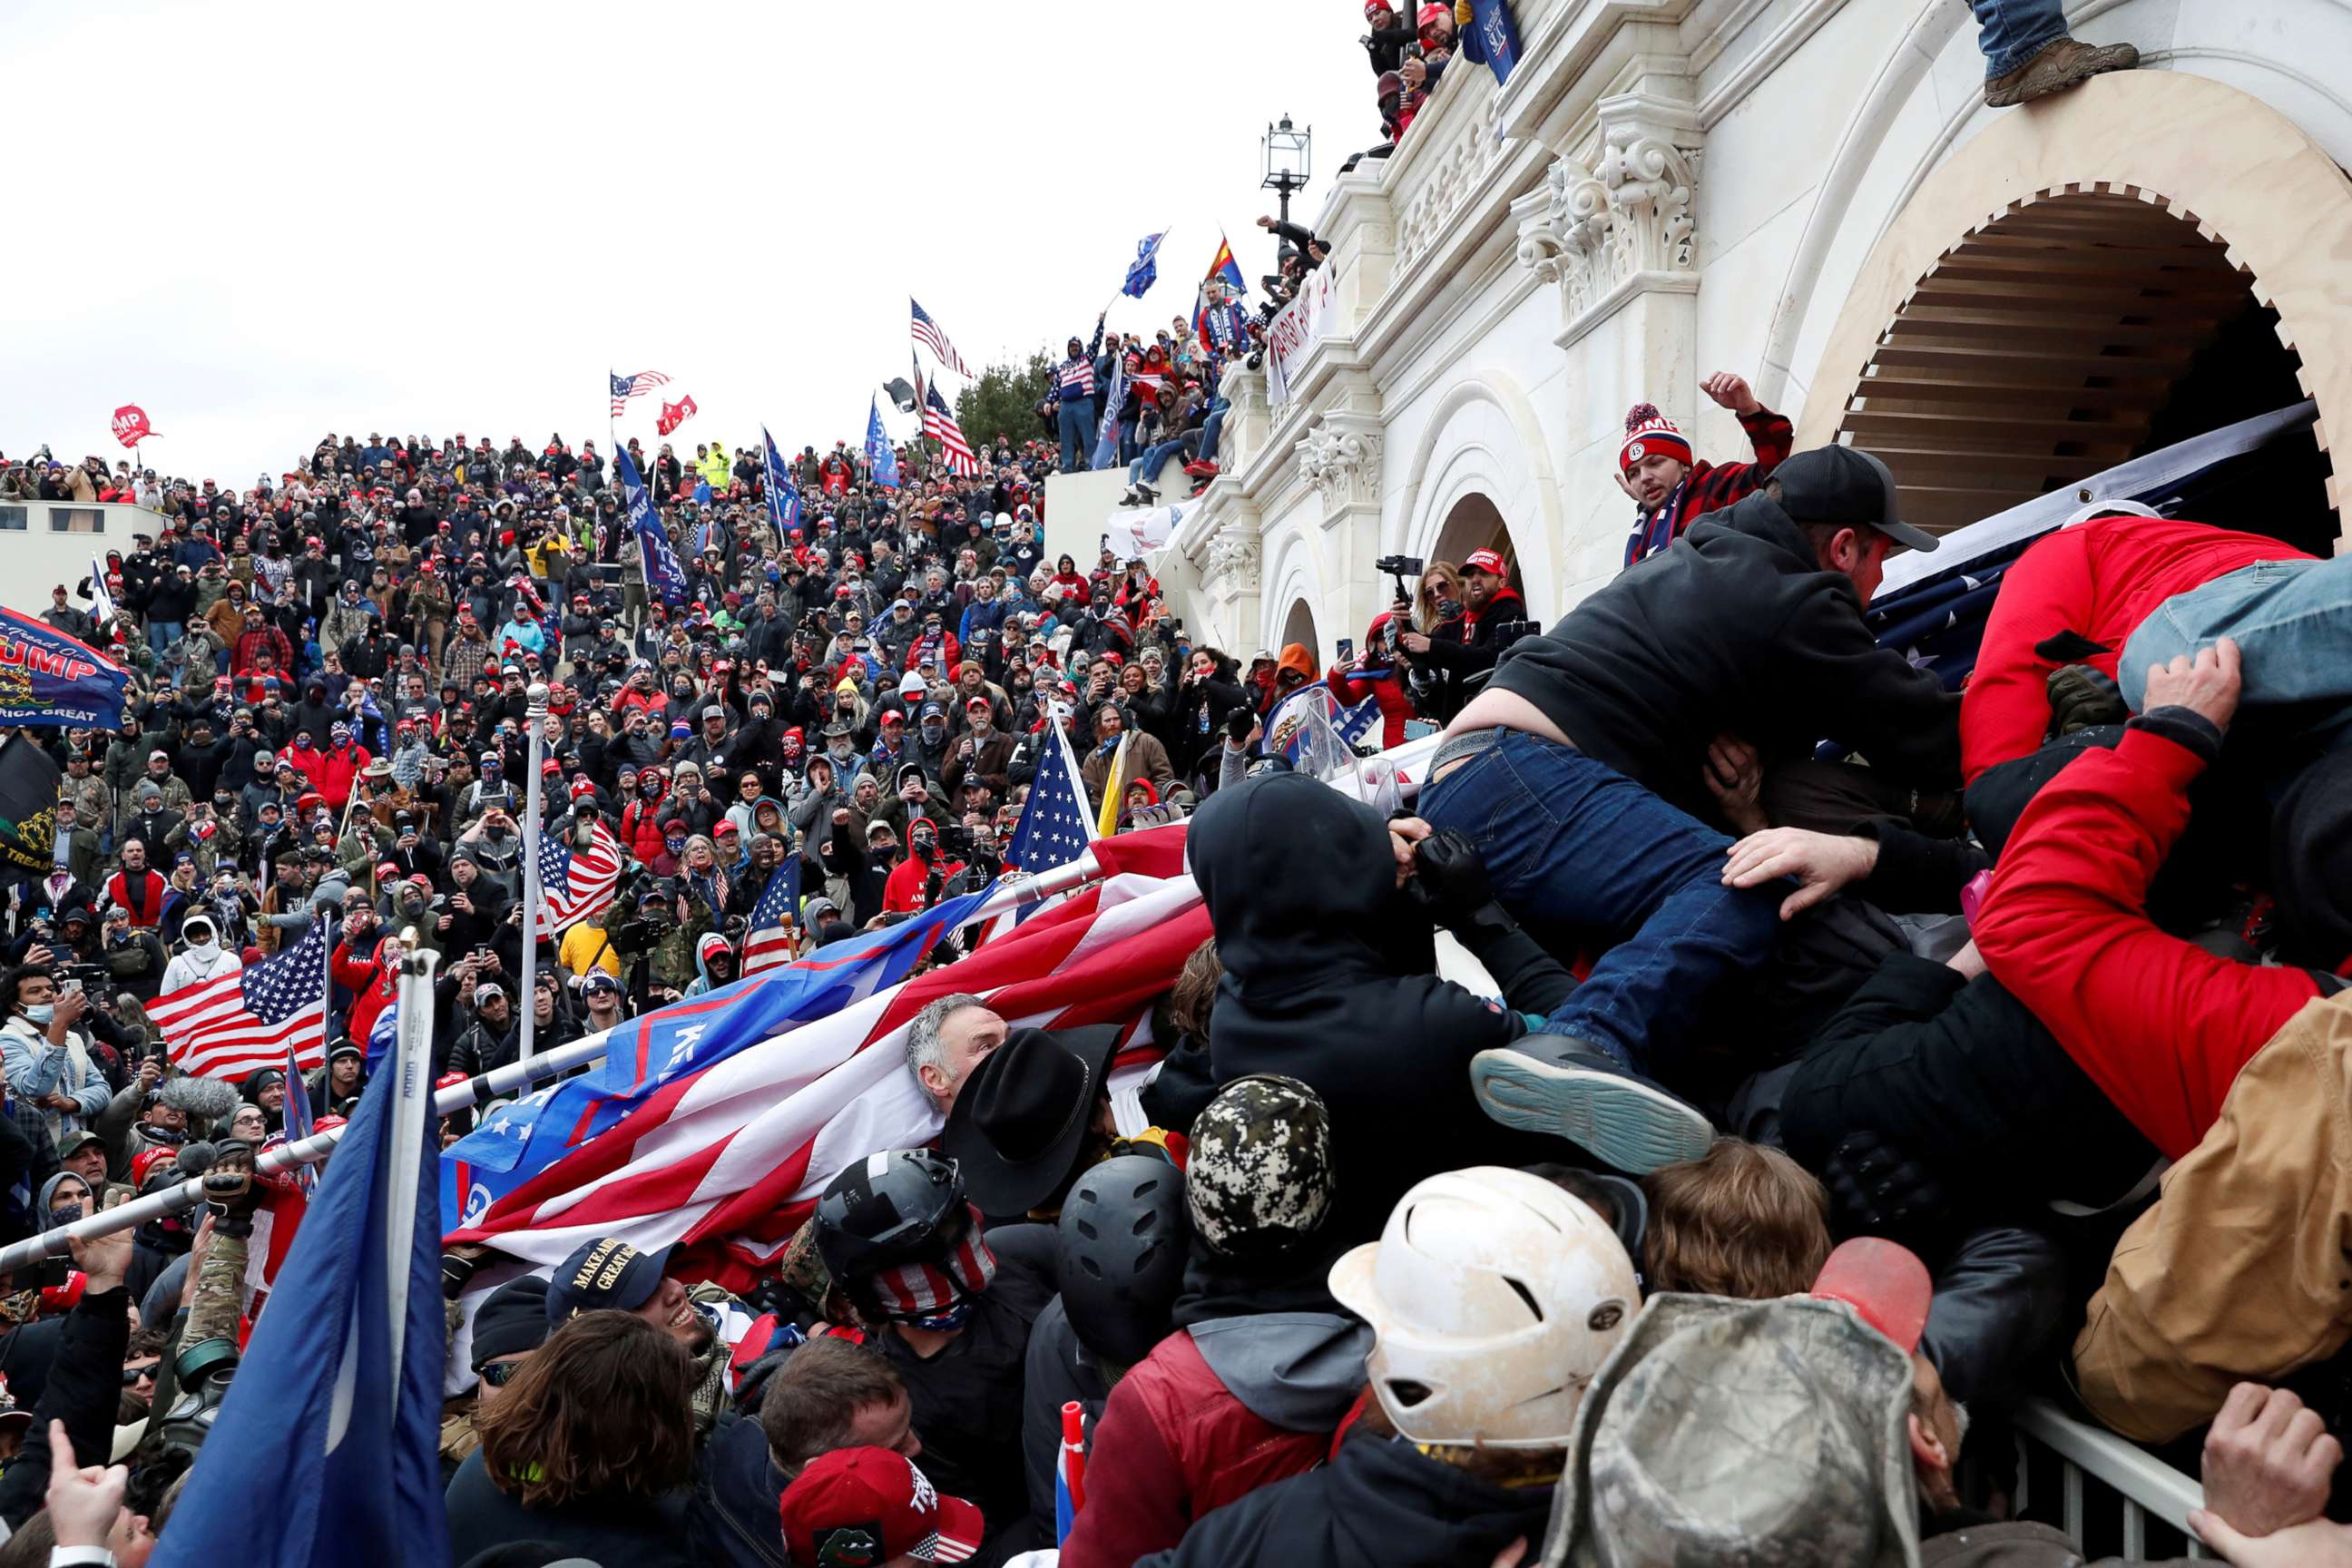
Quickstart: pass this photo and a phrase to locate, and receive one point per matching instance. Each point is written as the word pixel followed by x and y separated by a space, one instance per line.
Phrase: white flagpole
pixel 411 1126
pixel 326 994
pixel 534 715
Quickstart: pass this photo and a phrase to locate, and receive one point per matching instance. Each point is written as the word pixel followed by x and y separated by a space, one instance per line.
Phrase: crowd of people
pixel 1746 1070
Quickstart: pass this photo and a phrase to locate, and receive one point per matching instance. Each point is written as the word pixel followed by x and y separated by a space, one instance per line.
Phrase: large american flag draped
pixel 728 1161
pixel 928 334
pixel 575 883
pixel 771 941
pixel 238 1023
pixel 627 386
pixel 940 426
pixel 1055 825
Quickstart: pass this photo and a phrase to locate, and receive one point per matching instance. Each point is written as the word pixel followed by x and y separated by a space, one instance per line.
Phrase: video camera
pixel 1399 568
pixel 641 927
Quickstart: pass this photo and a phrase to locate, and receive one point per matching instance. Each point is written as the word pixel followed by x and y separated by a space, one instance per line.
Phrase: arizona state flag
pixel 28 805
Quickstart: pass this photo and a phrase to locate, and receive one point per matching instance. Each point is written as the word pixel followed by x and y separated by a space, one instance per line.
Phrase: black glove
pixel 456 1270
pixel 1875 1188
pixel 1449 879
pixel 2081 698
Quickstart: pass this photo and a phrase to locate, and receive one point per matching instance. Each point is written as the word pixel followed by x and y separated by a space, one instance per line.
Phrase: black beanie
pixel 2311 864
pixel 512 1320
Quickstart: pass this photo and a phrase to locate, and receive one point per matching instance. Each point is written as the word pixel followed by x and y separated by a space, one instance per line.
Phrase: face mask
pixel 923 844
pixel 41 1013
pixel 64 1214
pixel 1448 609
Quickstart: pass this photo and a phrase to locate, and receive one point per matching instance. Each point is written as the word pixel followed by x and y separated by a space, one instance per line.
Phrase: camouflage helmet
pixel 1260 1179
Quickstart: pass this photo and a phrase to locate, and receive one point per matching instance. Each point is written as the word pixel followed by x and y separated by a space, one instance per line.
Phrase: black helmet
pixel 903 1206
pixel 1124 1238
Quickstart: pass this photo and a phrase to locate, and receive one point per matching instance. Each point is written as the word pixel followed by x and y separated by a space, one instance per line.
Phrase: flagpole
pixel 412 1126
pixel 327 993
pixel 534 715
pixel 475 1092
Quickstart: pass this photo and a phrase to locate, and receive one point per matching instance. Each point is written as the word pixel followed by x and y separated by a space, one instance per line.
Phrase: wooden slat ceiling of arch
pixel 2035 351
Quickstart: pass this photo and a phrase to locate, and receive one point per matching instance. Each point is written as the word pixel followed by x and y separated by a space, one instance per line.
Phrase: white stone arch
pixel 2221 117
pixel 1291 578
pixel 1483 438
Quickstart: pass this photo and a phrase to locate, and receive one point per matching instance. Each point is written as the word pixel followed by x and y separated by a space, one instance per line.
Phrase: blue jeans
pixel 2293 624
pixel 161 635
pixel 1145 468
pixel 1571 840
pixel 1074 419
pixel 1210 428
pixel 2011 31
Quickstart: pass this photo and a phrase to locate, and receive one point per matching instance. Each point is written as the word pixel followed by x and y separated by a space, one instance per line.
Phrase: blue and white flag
pixel 1144 270
pixel 1113 398
pixel 102 607
pixel 516 1142
pixel 48 678
pixel 879 455
pixel 783 496
pixel 1492 38
pixel 336 1406
pixel 664 575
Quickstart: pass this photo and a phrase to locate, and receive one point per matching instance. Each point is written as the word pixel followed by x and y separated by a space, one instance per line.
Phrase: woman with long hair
pixel 590 1447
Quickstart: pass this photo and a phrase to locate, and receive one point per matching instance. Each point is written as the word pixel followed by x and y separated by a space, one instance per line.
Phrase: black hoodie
pixel 1330 977
pixel 1379 1504
pixel 1736 628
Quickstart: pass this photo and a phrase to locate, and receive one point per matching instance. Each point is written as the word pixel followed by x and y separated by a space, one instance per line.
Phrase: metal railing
pixel 2110 1491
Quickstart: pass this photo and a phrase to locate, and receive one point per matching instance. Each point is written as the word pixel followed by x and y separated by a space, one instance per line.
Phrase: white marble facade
pixel 1669 187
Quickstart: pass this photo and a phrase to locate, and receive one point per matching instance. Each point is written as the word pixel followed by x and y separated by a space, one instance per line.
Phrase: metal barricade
pixel 2110 1494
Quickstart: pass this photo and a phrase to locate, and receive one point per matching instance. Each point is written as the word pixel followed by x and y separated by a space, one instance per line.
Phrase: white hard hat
pixel 1494 1297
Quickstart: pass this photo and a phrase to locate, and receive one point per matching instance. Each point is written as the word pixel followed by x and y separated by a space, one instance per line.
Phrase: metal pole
pixel 410 1130
pixel 490 1086
pixel 535 716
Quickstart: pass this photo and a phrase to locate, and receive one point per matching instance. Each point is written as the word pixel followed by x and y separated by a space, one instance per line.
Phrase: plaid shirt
pixel 1709 486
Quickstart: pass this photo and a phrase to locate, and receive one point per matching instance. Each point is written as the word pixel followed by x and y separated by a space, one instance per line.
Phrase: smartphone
pixel 1347 649
pixel 70 988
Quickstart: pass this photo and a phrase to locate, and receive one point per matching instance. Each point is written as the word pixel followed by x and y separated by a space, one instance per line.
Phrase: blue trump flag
pixel 664 575
pixel 48 677
pixel 1107 430
pixel 336 1406
pixel 783 496
pixel 878 452
pixel 1144 270
pixel 1492 38
pixel 517 1141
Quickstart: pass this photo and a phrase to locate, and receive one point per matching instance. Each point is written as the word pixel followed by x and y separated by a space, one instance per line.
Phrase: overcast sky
pixel 262 222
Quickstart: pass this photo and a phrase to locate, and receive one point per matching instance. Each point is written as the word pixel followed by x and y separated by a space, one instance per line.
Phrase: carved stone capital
pixel 1624 220
pixel 1342 462
pixel 1234 556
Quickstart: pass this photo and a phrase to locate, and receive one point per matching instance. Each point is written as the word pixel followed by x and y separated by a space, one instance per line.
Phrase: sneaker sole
pixel 1631 1126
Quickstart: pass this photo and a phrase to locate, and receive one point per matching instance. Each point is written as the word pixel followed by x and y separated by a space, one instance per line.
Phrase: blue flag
pixel 664 575
pixel 48 677
pixel 516 1142
pixel 1144 270
pixel 1114 397
pixel 783 496
pixel 346 1447
pixel 878 452
pixel 1492 38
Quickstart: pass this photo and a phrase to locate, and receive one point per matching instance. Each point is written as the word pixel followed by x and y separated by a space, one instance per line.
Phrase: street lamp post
pixel 1288 154
pixel 534 716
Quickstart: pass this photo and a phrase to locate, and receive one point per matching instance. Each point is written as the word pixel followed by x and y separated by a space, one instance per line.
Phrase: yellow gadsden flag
pixel 1114 786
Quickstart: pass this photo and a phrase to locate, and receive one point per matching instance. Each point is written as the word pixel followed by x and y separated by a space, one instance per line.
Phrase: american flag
pixel 1055 826
pixel 575 883
pixel 728 1161
pixel 928 334
pixel 940 425
pixel 627 386
pixel 238 1023
pixel 771 941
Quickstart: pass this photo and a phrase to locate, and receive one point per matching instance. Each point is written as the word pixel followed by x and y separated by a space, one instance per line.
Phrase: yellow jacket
pixel 586 947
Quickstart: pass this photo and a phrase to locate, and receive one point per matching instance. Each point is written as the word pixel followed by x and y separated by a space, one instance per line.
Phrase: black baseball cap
pixel 604 1274
pixel 1845 484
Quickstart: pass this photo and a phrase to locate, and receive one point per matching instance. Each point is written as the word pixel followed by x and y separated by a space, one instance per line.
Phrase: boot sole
pixel 2010 98
pixel 1631 1126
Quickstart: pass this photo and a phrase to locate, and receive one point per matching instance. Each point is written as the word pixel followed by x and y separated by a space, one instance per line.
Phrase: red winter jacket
pixel 338 766
pixel 2100 580
pixel 1172 1444
pixel 1396 704
pixel 641 831
pixel 370 979
pixel 2160 1024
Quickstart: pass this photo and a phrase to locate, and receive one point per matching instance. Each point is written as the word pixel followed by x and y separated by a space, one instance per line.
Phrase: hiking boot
pixel 1560 1085
pixel 2062 62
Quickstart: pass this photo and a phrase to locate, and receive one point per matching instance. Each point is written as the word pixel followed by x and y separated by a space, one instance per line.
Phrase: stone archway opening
pixel 1475 524
pixel 2079 328
pixel 1299 626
